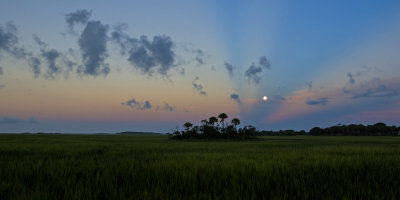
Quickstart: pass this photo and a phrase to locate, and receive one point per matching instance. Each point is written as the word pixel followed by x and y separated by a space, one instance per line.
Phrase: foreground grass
pixel 151 167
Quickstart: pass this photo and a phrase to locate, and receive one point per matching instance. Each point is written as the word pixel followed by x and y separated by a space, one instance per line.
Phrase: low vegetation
pixel 41 166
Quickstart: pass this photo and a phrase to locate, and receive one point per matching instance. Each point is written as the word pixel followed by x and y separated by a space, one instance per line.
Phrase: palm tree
pixel 212 120
pixel 187 125
pixel 204 122
pixel 222 116
pixel 235 122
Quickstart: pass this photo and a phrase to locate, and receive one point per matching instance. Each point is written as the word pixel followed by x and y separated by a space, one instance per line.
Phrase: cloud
pixel 264 63
pixel 252 73
pixel 229 68
pixel 77 17
pixel 10 120
pixel 375 88
pixel 236 98
pixel 351 79
pixel 2 86
pixel 199 57
pixel 9 41
pixel 93 45
pixel 167 107
pixel 309 85
pixel 320 101
pixel 1 71
pixel 52 69
pixel 34 63
pixel 8 37
pixel 39 41
pixel 278 98
pixel 149 56
pixel 137 105
pixel 198 87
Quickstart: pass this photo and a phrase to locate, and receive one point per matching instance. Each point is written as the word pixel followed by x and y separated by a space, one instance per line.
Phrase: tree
pixel 187 125
pixel 235 122
pixel 222 116
pixel 212 120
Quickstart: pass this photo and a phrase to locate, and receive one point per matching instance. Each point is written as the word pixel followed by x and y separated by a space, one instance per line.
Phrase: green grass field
pixel 154 167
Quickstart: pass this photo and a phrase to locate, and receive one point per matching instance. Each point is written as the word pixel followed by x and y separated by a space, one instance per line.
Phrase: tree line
pixel 378 129
pixel 213 128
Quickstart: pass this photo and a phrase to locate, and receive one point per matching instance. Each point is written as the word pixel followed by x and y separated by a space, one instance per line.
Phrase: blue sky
pixel 151 66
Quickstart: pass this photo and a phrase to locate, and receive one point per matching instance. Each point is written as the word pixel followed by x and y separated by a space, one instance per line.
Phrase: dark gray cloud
pixel 8 37
pixel 264 63
pixel 167 107
pixel 149 56
pixel 236 98
pixel 11 120
pixel 1 71
pixel 9 40
pixel 34 63
pixel 351 79
pixel 252 73
pixel 229 68
pixel 320 101
pixel 52 69
pixel 138 105
pixel 197 87
pixel 77 17
pixel 123 40
pixel 2 86
pixel 93 43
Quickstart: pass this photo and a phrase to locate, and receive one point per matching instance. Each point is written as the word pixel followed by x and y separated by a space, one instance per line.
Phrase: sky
pixel 111 66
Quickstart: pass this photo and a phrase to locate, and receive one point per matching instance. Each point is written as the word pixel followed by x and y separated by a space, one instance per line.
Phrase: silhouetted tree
pixel 187 125
pixel 222 116
pixel 212 120
pixel 235 122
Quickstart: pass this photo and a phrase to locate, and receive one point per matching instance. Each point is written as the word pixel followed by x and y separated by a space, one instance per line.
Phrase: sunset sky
pixel 111 66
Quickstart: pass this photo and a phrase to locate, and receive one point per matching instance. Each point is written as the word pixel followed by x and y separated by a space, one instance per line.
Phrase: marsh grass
pixel 154 167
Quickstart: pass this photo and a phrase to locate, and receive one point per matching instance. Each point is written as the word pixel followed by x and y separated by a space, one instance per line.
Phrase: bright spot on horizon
pixel 265 98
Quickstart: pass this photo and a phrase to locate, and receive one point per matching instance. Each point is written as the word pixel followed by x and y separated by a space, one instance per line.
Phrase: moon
pixel 265 98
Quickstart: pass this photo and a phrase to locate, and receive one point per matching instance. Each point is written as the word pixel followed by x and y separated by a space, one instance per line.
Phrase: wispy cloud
pixel 11 120
pixel 375 88
pixel 320 101
pixel 167 107
pixel 229 68
pixel 77 17
pixel 197 87
pixel 351 79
